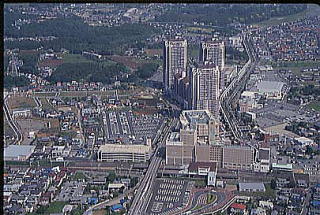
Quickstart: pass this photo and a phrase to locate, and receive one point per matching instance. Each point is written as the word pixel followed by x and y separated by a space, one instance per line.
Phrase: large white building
pixel 124 152
pixel 174 61
pixel 18 152
pixel 270 89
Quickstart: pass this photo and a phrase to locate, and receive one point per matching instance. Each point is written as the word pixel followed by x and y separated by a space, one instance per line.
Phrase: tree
pixel 108 210
pixel 273 184
pixel 111 176
pixel 147 70
pixel 15 81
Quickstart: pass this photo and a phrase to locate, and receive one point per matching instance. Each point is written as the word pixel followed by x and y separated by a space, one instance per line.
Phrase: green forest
pixel 89 71
pixel 15 81
pixel 76 36
pixel 222 14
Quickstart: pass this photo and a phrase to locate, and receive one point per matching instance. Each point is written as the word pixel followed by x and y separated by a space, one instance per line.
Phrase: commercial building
pixel 205 88
pixel 206 152
pixel 214 52
pixel 124 152
pixel 238 157
pixel 203 122
pixel 178 153
pixel 174 61
pixel 18 152
pixel 198 128
pixel 263 163
pixel 270 89
pixel 252 187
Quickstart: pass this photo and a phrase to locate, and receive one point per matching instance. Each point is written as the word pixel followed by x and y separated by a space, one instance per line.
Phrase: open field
pixel 99 212
pixel 21 102
pixel 50 62
pixel 75 58
pixel 86 93
pixel 54 207
pixel 131 62
pixel 296 66
pixel 315 105
pixel 152 52
pixel 200 30
pixel 44 94
pixel 45 104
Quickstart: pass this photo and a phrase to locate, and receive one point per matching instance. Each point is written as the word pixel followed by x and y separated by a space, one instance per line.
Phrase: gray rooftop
pixel 252 186
pixel 18 150
pixel 195 117
pixel 269 86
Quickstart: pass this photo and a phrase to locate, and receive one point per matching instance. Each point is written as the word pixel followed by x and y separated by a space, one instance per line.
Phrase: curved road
pixel 12 122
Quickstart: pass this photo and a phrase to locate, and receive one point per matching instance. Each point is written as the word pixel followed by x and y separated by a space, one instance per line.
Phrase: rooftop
pixel 194 166
pixel 124 148
pixel 238 206
pixel 255 186
pixel 18 150
pixel 194 117
pixel 270 86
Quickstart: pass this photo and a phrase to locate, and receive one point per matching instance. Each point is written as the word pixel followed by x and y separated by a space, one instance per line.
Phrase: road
pixel 143 193
pixel 12 122
pixel 235 87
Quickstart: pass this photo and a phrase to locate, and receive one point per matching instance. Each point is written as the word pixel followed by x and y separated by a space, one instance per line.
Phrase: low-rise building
pixel 124 152
pixel 18 152
pixel 252 187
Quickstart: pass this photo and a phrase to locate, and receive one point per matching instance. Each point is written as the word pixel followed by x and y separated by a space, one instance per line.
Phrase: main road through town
pixel 236 86
pixel 140 201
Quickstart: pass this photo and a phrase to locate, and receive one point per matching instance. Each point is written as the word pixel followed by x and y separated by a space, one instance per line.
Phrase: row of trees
pixel 89 71
pixel 223 14
pixel 15 81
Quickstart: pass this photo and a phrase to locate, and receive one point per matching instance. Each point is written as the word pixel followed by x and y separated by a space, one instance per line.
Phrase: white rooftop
pixel 18 150
pixel 269 86
pixel 125 148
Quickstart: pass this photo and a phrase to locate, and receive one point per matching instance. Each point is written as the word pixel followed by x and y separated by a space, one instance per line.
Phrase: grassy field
pixel 78 176
pixel 45 104
pixel 152 52
pixel 296 66
pixel 86 93
pixel 21 102
pixel 75 58
pixel 54 207
pixel 211 198
pixel 44 94
pixel 200 30
pixel 278 20
pixel 315 105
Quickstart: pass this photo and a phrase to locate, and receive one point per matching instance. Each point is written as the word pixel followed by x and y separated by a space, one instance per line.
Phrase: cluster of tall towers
pixel 196 85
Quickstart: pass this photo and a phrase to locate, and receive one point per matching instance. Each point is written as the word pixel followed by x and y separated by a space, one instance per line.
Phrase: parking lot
pixel 130 127
pixel 168 195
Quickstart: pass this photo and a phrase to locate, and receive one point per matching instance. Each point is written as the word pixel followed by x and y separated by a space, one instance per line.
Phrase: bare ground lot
pixel 21 102
pixel 35 124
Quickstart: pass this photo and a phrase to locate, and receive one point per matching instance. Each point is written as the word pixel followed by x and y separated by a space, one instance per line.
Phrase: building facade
pixel 238 157
pixel 174 61
pixel 124 152
pixel 214 52
pixel 205 88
